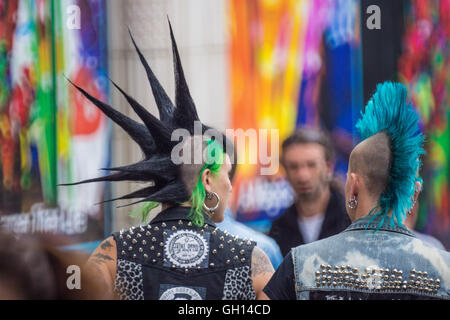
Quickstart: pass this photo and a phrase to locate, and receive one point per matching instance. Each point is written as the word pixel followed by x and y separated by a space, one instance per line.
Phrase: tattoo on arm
pixel 102 254
pixel 100 258
pixel 101 266
pixel 106 245
pixel 260 263
pixel 103 257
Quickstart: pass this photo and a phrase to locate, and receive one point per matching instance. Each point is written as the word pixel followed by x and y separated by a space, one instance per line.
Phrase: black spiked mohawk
pixel 154 136
pixel 185 113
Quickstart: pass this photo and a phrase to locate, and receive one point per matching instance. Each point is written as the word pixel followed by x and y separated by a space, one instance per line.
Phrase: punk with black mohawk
pixel 154 138
pixel 180 254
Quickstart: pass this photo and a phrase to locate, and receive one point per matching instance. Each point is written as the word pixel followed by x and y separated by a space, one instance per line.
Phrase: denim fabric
pixel 365 263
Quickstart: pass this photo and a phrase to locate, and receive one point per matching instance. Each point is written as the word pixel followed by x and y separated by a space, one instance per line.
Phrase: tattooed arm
pixel 101 267
pixel 262 271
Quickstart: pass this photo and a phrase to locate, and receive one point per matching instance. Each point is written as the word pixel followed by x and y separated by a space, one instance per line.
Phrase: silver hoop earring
pixel 209 197
pixel 352 203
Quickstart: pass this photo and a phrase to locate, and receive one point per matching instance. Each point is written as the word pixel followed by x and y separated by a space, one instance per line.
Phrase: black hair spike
pixel 137 131
pixel 185 113
pixel 163 102
pixel 153 137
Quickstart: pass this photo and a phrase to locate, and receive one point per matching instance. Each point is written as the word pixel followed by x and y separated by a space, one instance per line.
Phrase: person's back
pixel 410 222
pixel 180 254
pixel 376 257
pixel 170 259
pixel 428 239
pixel 359 263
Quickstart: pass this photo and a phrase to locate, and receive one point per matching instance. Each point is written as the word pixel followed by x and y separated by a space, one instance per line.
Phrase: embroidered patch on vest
pixel 238 285
pixel 186 249
pixel 172 292
pixel 129 281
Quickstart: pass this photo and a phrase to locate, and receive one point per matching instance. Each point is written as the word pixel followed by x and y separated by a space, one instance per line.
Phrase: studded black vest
pixel 171 259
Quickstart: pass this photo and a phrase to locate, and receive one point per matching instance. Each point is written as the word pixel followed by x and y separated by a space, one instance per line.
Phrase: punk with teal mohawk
pixel 390 112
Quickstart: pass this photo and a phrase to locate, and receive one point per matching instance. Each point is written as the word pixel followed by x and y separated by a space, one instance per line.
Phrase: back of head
pixel 390 153
pixel 25 271
pixel 198 151
pixel 32 267
pixel 371 159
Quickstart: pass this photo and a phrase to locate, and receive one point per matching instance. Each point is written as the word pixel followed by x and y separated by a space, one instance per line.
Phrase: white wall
pixel 200 28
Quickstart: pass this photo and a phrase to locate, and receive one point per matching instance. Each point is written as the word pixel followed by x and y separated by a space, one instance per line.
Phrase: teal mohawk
pixel 389 111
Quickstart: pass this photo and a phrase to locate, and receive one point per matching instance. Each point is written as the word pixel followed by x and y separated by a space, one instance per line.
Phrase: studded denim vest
pixel 359 263
pixel 171 259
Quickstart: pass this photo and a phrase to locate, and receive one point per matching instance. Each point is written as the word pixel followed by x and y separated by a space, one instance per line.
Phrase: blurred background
pixel 251 64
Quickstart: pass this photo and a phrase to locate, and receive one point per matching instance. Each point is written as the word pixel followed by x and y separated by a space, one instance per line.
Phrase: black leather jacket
pixel 171 259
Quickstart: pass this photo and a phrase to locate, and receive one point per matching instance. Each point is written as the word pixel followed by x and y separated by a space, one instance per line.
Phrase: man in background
pixel 319 208
pixel 376 257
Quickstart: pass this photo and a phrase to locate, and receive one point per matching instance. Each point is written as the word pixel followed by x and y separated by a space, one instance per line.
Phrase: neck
pixel 365 204
pixel 188 205
pixel 410 223
pixel 312 207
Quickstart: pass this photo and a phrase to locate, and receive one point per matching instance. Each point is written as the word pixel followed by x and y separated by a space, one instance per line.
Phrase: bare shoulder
pixel 262 271
pixel 260 263
pixel 101 265
pixel 105 253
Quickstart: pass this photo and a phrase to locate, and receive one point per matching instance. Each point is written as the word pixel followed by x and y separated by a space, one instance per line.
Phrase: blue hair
pixel 389 111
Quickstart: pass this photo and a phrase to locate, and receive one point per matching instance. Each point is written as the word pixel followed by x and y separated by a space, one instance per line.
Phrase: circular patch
pixel 180 293
pixel 186 248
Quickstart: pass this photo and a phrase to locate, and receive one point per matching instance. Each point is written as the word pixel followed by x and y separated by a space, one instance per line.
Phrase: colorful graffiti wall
pixel 294 63
pixel 424 68
pixel 48 133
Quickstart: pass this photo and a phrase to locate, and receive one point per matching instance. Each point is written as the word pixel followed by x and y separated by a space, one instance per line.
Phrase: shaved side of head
pixel 371 159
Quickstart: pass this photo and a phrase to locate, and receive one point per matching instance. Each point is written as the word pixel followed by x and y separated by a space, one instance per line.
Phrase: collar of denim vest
pixel 178 213
pixel 364 223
